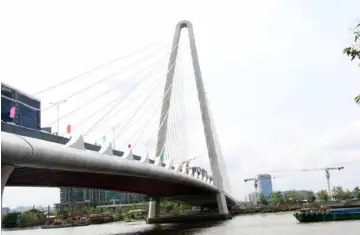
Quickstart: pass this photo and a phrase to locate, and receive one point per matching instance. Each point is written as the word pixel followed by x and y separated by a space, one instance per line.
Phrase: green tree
pixel 10 220
pixel 323 195
pixel 64 213
pixel 262 199
pixel 357 192
pixel 87 211
pixel 182 207
pixel 353 51
pixel 277 198
pixel 293 197
pixel 310 197
pixel 357 99
pixel 28 219
pixel 338 193
pixel 347 195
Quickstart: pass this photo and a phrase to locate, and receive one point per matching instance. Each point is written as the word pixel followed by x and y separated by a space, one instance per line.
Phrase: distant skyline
pixel 281 90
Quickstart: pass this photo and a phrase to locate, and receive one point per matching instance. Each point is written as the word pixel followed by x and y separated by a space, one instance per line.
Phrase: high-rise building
pixel 265 185
pixel 71 195
pixel 77 194
pixel 20 108
pixel 125 197
pixel 94 195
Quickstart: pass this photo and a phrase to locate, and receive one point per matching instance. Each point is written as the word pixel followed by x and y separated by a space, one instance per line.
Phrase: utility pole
pixel 113 132
pixel 58 114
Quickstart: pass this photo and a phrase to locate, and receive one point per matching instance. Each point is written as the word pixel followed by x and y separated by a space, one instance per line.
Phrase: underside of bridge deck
pixel 37 177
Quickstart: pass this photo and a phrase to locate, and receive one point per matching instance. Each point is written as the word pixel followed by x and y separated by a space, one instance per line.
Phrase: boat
pixel 47 226
pixel 135 215
pixel 64 224
pixel 327 214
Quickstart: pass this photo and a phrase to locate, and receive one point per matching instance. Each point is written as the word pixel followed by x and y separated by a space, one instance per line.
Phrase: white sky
pixel 281 91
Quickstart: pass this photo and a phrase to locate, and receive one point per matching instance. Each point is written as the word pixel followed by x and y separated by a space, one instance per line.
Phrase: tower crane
pixel 187 162
pixel 256 182
pixel 327 174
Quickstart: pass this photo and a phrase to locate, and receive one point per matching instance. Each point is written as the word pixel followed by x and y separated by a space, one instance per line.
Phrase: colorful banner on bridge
pixel 162 157
pixel 12 112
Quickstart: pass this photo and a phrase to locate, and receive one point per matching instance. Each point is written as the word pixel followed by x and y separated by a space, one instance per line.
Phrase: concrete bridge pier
pixel 154 208
pixel 5 173
pixel 222 205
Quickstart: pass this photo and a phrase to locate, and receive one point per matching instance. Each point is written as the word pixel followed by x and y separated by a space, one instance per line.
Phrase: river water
pixel 269 224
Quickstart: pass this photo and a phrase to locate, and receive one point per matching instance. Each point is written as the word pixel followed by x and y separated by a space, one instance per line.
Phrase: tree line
pixel 293 197
pixel 35 217
pixel 30 218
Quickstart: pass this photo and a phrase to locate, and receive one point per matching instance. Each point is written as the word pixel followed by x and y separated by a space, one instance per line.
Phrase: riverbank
pixel 21 221
pixel 34 218
pixel 287 208
pixel 276 223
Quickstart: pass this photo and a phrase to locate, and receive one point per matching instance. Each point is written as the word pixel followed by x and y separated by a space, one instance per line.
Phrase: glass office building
pixel 68 195
pixel 265 185
pixel 27 108
pixel 125 197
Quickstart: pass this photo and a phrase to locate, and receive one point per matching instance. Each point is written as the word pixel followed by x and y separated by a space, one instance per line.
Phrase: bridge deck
pixel 51 164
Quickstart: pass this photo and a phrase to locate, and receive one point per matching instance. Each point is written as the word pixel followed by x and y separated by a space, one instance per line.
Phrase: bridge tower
pixel 214 151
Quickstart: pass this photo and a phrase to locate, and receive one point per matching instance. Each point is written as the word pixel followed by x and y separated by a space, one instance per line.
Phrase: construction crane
pixel 327 174
pixel 187 162
pixel 256 182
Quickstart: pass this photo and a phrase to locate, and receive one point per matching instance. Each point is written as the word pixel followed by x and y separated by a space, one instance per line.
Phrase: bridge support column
pixel 5 173
pixel 154 208
pixel 221 202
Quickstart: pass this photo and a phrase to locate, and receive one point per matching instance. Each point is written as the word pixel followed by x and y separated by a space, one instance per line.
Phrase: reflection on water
pixel 188 229
pixel 269 224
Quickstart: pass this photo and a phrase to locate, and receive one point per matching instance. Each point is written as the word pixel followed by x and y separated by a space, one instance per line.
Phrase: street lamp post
pixel 58 113
pixel 146 147
pixel 113 132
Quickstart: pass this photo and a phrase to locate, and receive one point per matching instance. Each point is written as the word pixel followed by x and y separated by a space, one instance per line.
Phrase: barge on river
pixel 327 214
pixel 58 223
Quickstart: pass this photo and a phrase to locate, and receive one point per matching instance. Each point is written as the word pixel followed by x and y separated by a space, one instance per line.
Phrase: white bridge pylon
pixel 213 148
pixel 217 164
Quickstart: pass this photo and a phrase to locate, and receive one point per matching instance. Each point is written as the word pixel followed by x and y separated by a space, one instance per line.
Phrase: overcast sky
pixel 281 91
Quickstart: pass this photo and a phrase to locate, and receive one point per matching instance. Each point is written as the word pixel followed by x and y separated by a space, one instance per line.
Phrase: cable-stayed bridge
pixel 35 158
